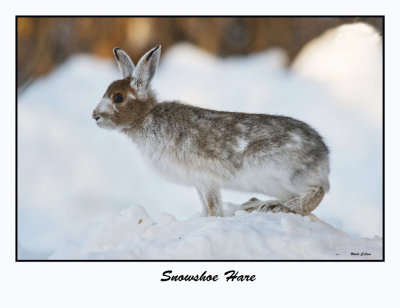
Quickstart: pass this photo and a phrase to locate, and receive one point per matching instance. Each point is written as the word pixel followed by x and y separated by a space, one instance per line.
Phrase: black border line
pixel 16 139
pixel 383 138
pixel 199 16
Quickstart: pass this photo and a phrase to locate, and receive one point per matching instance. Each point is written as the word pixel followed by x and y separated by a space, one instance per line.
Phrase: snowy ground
pixel 134 235
pixel 80 188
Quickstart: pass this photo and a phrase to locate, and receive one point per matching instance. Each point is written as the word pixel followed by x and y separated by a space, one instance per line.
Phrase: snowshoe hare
pixel 273 155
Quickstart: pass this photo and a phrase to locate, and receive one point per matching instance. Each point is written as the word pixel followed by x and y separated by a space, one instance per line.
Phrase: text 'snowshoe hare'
pixel 274 155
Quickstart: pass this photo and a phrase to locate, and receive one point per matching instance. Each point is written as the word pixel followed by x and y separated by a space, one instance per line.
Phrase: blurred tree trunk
pixel 44 43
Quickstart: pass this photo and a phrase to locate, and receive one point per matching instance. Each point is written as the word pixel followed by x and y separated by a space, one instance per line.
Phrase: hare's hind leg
pixel 306 202
pixel 211 201
pixel 263 206
pixel 303 204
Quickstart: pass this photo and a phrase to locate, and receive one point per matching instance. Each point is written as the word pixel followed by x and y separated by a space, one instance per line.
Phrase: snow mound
pixel 348 59
pixel 262 236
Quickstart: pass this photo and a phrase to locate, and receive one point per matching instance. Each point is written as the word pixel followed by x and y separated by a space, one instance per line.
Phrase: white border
pixel 282 284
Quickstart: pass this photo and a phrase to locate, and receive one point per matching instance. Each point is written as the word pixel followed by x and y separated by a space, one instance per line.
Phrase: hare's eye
pixel 118 98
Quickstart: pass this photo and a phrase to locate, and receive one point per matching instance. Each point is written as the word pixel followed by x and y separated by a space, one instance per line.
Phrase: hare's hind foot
pixel 274 206
pixel 264 206
pixel 303 204
pixel 252 205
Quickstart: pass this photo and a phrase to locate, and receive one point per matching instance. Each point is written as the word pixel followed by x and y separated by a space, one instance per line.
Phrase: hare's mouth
pixel 105 123
pixel 101 122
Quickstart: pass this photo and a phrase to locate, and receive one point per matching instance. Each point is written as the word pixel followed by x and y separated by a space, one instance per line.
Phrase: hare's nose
pixel 95 115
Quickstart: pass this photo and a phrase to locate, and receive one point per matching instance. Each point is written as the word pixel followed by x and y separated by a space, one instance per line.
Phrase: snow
pixel 82 190
pixel 134 235
pixel 334 59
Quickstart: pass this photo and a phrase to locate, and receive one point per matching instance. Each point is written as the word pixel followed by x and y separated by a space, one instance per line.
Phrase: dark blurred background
pixel 45 42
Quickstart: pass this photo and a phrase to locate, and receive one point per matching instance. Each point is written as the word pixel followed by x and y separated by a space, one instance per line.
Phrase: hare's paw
pixel 252 205
pixel 274 206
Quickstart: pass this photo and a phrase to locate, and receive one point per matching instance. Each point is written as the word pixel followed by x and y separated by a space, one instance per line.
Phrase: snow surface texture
pixel 75 179
pixel 133 235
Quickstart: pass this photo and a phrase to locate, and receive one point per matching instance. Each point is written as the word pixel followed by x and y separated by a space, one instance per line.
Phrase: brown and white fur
pixel 273 155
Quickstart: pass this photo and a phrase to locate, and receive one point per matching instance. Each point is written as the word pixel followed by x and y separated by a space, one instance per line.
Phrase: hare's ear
pixel 146 68
pixel 124 62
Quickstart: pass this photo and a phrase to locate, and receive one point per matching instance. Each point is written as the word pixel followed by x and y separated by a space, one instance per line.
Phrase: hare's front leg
pixel 210 200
